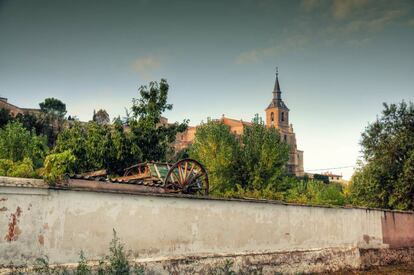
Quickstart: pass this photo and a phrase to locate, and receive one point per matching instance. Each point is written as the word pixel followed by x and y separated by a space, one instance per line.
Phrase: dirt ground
pixel 383 270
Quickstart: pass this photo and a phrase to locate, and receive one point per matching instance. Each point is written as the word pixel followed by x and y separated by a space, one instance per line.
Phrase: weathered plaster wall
pixel 59 223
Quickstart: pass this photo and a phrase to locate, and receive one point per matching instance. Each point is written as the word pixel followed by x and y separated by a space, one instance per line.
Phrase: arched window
pixel 283 116
pixel 272 116
pixel 285 138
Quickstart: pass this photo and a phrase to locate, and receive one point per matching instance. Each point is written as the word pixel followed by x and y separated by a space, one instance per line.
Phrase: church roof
pixel 277 101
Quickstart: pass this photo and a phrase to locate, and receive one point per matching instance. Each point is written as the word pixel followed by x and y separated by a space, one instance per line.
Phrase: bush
pixel 22 169
pixel 17 143
pixel 56 165
pixel 83 268
pixel 118 263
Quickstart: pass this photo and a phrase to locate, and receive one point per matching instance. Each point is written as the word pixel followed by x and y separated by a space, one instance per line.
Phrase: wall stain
pixel 14 230
pixel 366 238
pixel 3 199
pixel 4 208
pixel 41 240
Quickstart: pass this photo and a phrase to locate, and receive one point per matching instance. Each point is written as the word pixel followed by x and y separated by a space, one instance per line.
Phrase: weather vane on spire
pixel 277 71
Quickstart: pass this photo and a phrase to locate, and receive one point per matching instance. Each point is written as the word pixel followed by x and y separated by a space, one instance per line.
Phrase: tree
pixel 385 177
pixel 98 146
pixel 148 133
pixel 89 143
pixel 40 123
pixel 218 150
pixel 17 143
pixel 264 156
pixel 123 152
pixel 54 107
pixel 5 117
pixel 101 117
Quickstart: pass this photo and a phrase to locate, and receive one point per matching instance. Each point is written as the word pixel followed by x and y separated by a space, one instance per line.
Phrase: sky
pixel 338 61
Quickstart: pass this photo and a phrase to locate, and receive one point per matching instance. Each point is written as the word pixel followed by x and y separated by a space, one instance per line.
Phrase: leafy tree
pixel 54 107
pixel 263 156
pixel 218 149
pixel 98 146
pixel 148 133
pixel 385 177
pixel 101 117
pixel 5 117
pixel 42 124
pixel 17 143
pixel 89 143
pixel 123 152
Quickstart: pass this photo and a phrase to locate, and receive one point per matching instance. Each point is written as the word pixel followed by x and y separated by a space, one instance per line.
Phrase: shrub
pixel 82 268
pixel 56 165
pixel 22 169
pixel 17 143
pixel 118 263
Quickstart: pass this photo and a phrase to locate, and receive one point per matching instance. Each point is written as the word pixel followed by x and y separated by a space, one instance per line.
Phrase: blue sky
pixel 338 61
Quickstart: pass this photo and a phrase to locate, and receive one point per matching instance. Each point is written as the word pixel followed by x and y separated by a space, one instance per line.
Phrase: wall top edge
pixel 7 182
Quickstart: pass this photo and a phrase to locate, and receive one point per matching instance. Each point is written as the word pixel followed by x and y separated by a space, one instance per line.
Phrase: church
pixel 277 115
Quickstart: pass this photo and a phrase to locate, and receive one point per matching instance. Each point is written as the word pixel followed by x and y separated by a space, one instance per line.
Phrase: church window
pixel 272 116
pixel 283 116
pixel 285 138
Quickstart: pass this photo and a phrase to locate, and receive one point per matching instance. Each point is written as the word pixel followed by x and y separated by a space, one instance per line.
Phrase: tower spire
pixel 276 90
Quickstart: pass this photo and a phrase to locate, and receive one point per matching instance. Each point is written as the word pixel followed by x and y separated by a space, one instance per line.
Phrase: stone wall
pixel 188 235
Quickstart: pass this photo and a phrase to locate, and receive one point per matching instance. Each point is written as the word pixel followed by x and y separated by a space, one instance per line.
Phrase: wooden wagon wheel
pixel 187 176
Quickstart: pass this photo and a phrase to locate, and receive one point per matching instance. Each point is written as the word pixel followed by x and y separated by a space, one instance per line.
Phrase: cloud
pixel 310 5
pixel 294 42
pixel 329 23
pixel 145 66
pixel 344 8
pixel 371 25
pixel 248 57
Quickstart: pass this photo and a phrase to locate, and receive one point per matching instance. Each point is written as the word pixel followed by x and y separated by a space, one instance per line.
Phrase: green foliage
pixel 98 146
pixel 83 268
pixel 385 177
pixel 58 164
pixel 263 156
pixel 5 117
pixel 118 263
pixel 323 178
pixel 256 160
pixel 295 191
pixel 53 107
pixel 22 169
pixel 316 192
pixel 226 269
pixel 218 150
pixel 42 267
pixel 17 143
pixel 147 130
pixel 244 193
pixel 122 151
pixel 41 124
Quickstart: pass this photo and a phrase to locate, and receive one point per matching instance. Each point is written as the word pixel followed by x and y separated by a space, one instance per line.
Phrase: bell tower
pixel 277 113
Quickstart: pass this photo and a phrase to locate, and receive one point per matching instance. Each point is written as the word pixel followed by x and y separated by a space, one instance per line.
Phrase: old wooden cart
pixel 186 176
